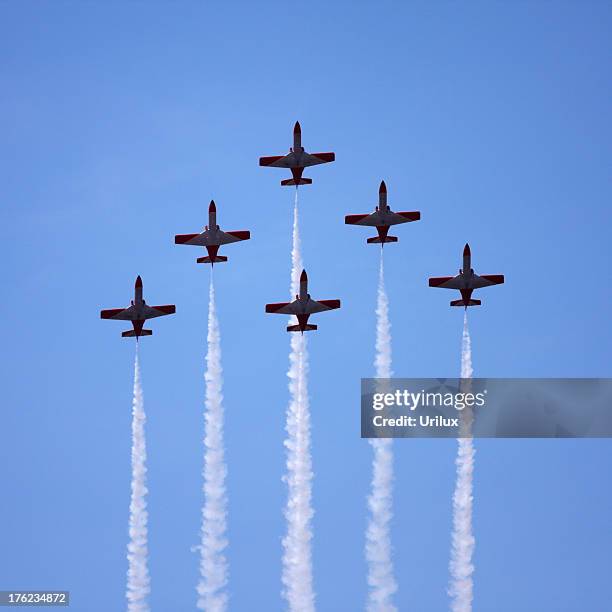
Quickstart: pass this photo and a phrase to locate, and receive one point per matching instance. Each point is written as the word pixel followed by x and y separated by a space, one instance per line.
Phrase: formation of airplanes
pixel 382 218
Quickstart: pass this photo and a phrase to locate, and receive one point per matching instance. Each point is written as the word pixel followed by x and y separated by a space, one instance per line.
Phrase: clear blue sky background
pixel 120 121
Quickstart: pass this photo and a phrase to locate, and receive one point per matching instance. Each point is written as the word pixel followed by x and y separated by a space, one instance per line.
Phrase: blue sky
pixel 120 121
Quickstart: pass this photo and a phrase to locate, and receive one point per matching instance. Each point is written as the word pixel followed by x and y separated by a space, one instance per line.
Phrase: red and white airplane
pixel 302 307
pixel 466 281
pixel 382 218
pixel 212 238
pixel 138 312
pixel 297 159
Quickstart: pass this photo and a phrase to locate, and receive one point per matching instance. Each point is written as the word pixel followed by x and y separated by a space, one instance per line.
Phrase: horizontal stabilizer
pixel 297 328
pixel 378 239
pixel 466 304
pixel 212 260
pixel 132 333
pixel 300 181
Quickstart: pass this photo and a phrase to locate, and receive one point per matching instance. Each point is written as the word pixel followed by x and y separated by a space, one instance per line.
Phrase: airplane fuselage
pixel 138 295
pixel 467 261
pixel 212 234
pixel 303 297
pixel 297 150
pixel 467 274
pixel 302 300
pixel 302 304
pixel 296 172
pixel 302 321
pixel 138 305
pixel 466 279
pixel 384 218
pixel 382 230
pixel 466 294
pixel 296 167
pixel 383 213
pixel 138 324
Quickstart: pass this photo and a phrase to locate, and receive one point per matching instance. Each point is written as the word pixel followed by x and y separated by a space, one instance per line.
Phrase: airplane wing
pixel 486 280
pixel 150 312
pixel 120 314
pixel 196 239
pixel 294 308
pixel 282 308
pixel 446 282
pixel 404 217
pixel 319 306
pixel 370 219
pixel 312 159
pixel 204 239
pixel 375 219
pixel 278 161
pixel 237 236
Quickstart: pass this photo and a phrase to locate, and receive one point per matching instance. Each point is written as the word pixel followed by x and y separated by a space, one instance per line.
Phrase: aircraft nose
pixel 382 188
pixel 212 207
pixel 138 281
pixel 466 249
pixel 296 128
pixel 303 276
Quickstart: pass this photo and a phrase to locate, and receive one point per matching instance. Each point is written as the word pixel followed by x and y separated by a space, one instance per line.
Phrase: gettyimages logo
pixel 428 399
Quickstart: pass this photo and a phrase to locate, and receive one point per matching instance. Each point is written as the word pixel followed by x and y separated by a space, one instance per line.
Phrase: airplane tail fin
pixel 300 181
pixel 466 304
pixel 212 260
pixel 297 328
pixel 378 239
pixel 131 333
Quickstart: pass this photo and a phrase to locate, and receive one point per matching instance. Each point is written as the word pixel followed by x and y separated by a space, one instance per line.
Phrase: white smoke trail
pixel 297 556
pixel 212 596
pixel 461 586
pixel 138 582
pixel 466 351
pixel 382 361
pixel 380 501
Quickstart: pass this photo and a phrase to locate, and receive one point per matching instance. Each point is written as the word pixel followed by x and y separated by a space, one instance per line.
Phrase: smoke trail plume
pixel 212 596
pixel 466 351
pixel 461 567
pixel 138 582
pixel 380 501
pixel 297 558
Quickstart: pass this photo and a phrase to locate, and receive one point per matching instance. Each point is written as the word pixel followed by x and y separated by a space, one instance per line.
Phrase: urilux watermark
pixel 486 408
